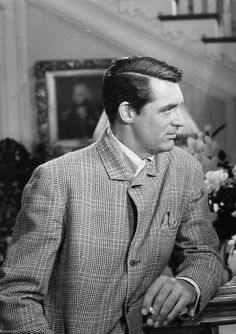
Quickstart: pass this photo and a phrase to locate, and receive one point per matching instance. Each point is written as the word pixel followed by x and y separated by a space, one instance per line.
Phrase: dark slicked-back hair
pixel 127 79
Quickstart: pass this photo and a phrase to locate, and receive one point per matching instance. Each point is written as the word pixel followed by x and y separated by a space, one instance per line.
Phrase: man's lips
pixel 171 135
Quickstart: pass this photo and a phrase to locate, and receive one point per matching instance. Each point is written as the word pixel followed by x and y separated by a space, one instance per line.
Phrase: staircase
pixel 211 24
pixel 211 21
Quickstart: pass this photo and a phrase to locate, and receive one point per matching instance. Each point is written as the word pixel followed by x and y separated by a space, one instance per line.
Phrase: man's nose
pixel 178 119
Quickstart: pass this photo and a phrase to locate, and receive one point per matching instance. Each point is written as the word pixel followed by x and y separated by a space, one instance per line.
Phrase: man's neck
pixel 124 136
pixel 129 157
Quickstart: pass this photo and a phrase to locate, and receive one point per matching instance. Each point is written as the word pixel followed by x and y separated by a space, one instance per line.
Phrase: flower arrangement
pixel 220 180
pixel 204 149
pixel 221 186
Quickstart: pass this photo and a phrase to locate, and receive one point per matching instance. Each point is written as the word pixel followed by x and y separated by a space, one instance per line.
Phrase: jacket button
pixel 134 262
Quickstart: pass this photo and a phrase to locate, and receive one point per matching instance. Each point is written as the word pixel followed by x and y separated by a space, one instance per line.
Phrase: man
pixel 98 226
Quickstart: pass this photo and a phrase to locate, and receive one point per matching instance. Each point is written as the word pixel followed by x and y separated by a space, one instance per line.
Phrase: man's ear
pixel 126 112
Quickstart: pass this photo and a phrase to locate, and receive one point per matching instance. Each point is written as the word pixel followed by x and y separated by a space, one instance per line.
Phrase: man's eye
pixel 167 111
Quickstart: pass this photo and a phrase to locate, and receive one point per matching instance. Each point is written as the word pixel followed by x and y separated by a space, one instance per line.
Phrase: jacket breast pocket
pixel 167 220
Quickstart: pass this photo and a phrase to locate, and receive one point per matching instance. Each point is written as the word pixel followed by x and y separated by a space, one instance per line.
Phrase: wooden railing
pixel 221 310
pixel 194 6
pixel 223 9
pixel 199 6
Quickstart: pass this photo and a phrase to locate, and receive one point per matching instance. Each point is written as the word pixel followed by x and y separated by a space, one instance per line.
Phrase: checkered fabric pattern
pixel 90 239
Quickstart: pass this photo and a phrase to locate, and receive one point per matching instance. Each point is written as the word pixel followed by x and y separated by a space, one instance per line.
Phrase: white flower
pixel 211 147
pixel 231 245
pixel 234 171
pixel 204 149
pixel 233 214
pixel 208 128
pixel 214 179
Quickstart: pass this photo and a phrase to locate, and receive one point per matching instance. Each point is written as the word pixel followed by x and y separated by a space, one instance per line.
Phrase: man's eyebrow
pixel 171 106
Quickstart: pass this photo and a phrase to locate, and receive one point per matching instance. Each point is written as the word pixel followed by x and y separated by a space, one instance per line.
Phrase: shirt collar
pixel 131 159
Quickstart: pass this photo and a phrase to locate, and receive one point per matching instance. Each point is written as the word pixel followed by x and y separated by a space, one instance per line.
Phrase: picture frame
pixel 68 102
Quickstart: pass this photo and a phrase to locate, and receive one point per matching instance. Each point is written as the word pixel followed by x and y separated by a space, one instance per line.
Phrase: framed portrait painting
pixel 69 101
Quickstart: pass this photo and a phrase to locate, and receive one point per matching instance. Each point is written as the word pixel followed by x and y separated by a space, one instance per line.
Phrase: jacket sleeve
pixel 196 248
pixel 26 271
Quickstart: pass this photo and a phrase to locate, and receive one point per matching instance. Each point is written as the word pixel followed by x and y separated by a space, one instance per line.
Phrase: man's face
pixel 154 130
pixel 79 94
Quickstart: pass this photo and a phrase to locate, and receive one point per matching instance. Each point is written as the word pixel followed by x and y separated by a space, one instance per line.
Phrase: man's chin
pixel 167 146
pixel 164 147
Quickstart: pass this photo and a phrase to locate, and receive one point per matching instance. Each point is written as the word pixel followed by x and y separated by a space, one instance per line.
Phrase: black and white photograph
pixel 117 166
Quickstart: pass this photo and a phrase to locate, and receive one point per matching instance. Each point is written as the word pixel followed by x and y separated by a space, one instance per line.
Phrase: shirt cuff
pixel 191 310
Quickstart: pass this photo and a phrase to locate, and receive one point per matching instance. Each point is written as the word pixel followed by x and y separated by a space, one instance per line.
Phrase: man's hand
pixel 166 299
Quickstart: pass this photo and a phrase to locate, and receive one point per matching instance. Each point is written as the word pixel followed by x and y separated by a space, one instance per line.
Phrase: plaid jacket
pixel 75 264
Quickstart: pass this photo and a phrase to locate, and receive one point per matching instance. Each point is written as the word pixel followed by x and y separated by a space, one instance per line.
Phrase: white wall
pixel 51 37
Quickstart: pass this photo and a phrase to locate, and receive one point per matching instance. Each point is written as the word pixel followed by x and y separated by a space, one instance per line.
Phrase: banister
pixel 221 310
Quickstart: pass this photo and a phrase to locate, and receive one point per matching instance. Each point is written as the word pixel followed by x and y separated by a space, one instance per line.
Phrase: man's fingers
pixel 178 308
pixel 152 291
pixel 154 310
pixel 167 306
pixel 162 297
pixel 166 299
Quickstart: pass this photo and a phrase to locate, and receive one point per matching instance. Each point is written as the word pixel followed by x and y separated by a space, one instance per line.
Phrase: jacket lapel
pixel 115 168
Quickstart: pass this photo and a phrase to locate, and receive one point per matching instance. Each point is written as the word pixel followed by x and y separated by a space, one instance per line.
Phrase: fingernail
pixel 144 311
pixel 150 322
pixel 156 324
